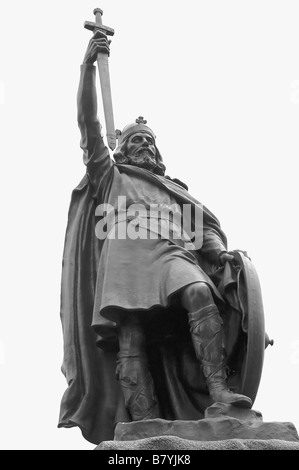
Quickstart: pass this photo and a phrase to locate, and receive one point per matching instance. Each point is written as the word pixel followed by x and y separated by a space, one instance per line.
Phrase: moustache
pixel 144 153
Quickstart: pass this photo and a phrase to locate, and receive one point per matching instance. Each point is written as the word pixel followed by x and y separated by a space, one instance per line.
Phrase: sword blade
pixel 103 66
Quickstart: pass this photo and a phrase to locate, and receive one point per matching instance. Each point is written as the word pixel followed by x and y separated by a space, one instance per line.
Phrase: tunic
pixel 143 273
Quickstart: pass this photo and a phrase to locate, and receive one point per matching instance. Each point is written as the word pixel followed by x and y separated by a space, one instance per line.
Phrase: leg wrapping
pixel 133 373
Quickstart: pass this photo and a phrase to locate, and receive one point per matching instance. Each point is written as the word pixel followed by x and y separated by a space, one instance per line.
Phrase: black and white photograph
pixel 149 226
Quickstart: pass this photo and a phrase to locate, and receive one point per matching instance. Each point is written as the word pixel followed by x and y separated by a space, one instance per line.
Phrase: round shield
pixel 251 299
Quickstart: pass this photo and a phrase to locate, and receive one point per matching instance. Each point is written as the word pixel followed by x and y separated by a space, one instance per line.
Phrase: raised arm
pixel 91 140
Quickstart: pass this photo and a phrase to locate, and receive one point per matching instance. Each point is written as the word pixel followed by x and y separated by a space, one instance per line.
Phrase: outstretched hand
pixel 229 256
pixel 98 43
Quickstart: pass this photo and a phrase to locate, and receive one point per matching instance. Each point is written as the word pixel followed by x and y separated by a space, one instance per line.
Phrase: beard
pixel 143 159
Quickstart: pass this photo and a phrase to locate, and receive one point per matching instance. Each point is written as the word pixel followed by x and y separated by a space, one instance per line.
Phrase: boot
pixel 134 376
pixel 207 338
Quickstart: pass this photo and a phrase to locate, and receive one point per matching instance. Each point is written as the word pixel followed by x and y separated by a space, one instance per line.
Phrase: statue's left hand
pixel 230 255
pixel 225 256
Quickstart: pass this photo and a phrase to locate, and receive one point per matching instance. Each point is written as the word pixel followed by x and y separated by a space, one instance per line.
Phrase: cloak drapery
pixel 93 399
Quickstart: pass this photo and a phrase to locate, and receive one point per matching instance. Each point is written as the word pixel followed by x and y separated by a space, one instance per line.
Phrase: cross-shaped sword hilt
pixel 98 25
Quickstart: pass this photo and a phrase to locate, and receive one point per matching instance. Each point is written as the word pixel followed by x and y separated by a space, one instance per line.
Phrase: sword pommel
pixel 96 11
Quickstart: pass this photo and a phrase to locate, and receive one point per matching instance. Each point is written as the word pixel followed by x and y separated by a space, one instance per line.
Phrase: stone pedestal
pixel 224 427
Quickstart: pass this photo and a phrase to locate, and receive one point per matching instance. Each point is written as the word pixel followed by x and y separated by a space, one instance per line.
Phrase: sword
pixel 103 66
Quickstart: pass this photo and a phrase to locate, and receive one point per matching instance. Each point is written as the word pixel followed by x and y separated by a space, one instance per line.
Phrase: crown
pixel 138 126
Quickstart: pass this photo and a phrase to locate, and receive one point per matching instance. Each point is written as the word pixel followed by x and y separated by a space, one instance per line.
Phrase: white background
pixel 218 81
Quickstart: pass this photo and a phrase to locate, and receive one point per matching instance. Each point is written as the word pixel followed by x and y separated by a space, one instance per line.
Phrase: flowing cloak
pixel 93 400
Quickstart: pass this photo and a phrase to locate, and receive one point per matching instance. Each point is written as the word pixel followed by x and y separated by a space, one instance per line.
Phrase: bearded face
pixel 141 150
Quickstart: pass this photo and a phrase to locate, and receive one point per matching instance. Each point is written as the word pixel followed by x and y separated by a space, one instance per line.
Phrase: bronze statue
pixel 151 328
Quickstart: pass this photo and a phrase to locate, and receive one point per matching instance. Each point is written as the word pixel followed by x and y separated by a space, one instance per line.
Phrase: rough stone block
pixel 207 429
pixel 176 443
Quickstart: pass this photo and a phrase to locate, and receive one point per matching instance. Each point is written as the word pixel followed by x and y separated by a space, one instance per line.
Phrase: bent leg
pixel 133 372
pixel 206 327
